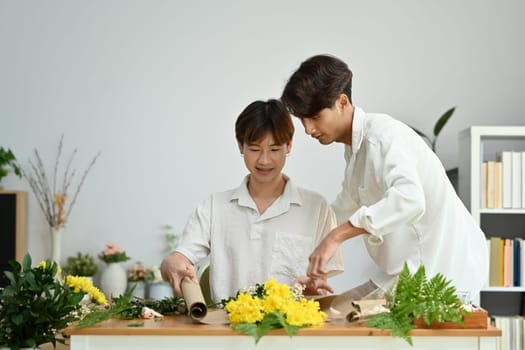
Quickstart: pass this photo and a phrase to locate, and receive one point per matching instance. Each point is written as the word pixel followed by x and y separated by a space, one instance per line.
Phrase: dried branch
pixel 54 202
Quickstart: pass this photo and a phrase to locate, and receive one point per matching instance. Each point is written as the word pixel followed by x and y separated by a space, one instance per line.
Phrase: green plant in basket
pixel 81 265
pixel 35 305
pixel 414 297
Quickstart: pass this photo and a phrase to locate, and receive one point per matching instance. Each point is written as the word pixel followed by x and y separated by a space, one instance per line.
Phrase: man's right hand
pixel 175 268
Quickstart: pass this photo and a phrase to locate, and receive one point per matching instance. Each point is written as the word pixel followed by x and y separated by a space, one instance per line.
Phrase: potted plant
pixel 113 280
pixel 35 305
pixel 136 276
pixel 7 164
pixel 440 124
pixel 81 265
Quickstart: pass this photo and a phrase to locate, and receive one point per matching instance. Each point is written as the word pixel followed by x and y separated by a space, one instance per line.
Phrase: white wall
pixel 157 85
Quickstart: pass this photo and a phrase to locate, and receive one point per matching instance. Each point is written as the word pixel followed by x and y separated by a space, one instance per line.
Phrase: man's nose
pixel 308 126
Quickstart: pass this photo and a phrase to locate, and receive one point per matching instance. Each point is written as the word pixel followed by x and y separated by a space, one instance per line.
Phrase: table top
pixel 183 325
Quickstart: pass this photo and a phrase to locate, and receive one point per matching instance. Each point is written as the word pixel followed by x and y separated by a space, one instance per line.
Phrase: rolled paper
pixel 196 305
pixel 194 299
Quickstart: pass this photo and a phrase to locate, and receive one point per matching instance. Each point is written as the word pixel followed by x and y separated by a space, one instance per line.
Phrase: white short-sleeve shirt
pixel 246 248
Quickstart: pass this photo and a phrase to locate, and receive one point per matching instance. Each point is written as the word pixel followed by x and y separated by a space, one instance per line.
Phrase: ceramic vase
pixel 113 280
pixel 87 298
pixel 159 291
pixel 56 244
pixel 140 289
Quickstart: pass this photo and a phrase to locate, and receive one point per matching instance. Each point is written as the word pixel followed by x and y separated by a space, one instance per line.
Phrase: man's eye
pixel 276 149
pixel 253 149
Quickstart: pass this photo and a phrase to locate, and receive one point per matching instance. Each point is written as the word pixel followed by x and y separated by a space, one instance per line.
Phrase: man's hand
pixel 175 268
pixel 314 287
pixel 327 248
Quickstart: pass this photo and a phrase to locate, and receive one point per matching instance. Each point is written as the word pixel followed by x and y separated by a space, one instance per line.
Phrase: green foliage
pixel 437 128
pixel 35 305
pixel 270 321
pixel 81 265
pixel 113 258
pixel 414 297
pixel 128 307
pixel 8 162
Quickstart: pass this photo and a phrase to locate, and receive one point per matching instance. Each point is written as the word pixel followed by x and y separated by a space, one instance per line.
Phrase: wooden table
pixel 180 332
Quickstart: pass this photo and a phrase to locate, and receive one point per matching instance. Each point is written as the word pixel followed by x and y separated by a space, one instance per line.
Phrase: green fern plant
pixel 417 297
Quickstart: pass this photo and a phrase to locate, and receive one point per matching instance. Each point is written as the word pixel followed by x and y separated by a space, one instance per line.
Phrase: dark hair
pixel 260 118
pixel 316 85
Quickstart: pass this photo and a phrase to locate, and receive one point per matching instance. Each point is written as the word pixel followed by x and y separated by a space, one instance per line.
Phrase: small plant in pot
pixel 7 164
pixel 81 265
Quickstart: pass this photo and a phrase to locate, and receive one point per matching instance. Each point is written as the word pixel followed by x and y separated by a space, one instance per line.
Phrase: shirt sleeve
pixel 395 164
pixel 195 239
pixel 327 222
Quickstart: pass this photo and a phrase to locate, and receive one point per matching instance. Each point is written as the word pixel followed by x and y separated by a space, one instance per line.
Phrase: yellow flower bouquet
pixel 258 309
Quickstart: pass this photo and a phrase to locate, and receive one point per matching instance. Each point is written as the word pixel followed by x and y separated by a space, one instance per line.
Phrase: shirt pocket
pixel 290 256
pixel 364 196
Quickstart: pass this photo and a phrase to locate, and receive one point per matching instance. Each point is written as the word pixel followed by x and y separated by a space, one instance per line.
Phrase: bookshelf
pixel 479 144
pixel 13 224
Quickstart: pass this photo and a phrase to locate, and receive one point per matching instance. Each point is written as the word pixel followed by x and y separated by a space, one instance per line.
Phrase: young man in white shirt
pixel 395 191
pixel 267 227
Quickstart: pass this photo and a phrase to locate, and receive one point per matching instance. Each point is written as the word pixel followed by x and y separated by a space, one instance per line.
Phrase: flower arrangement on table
pixel 260 308
pixel 153 275
pixel 53 197
pixel 137 272
pixel 113 254
pixel 35 305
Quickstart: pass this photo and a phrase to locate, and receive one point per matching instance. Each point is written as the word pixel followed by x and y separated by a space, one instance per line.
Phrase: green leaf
pixel 248 329
pixel 443 120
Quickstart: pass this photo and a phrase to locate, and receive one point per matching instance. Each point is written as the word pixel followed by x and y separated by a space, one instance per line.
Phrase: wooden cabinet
pixel 13 229
pixel 479 144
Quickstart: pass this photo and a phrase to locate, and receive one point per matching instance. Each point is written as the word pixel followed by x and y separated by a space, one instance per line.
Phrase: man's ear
pixel 289 146
pixel 241 148
pixel 343 101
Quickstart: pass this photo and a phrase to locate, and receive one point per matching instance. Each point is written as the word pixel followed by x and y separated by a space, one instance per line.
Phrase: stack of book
pixel 507 264
pixel 512 332
pixel 503 181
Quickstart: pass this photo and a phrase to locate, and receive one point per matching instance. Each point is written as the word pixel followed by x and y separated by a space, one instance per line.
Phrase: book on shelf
pixel 516 180
pixel 494 184
pixel 517 261
pixel 506 265
pixel 506 161
pixel 512 331
pixel 523 179
pixel 484 185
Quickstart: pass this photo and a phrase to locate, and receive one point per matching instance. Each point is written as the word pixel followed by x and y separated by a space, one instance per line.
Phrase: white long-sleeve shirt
pixel 396 188
pixel 246 247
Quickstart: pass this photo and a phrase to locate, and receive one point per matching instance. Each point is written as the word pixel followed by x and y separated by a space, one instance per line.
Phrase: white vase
pixel 140 289
pixel 159 291
pixel 87 298
pixel 56 244
pixel 113 280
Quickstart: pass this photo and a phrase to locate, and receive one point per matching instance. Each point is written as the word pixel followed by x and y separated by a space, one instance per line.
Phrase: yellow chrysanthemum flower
pixel 43 265
pixel 248 308
pixel 85 285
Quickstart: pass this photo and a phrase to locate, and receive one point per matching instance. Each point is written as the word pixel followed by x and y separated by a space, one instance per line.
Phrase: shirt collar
pixel 358 131
pixel 290 196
